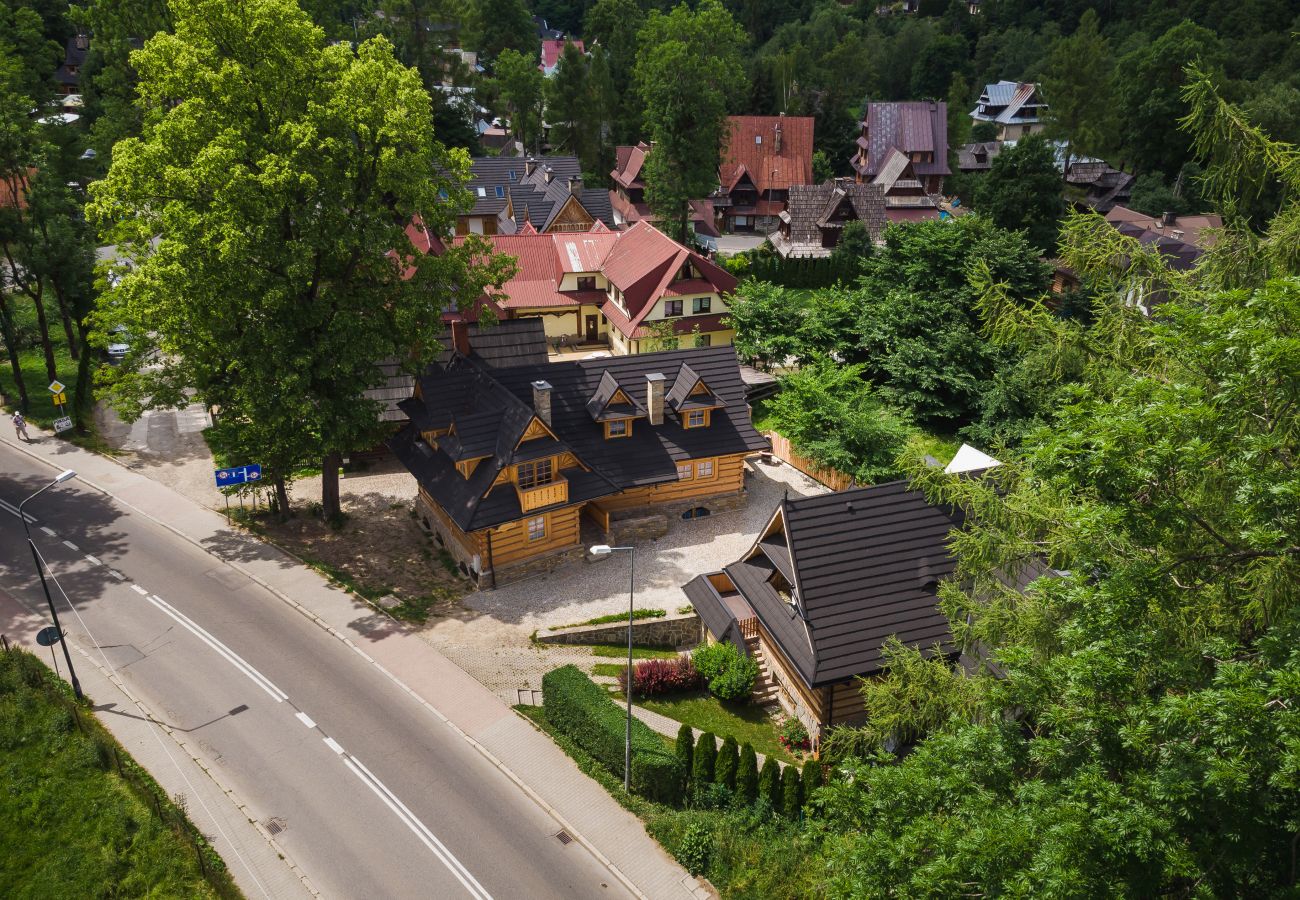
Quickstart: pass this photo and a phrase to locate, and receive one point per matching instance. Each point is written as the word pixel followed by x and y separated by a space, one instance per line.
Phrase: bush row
pixel 729 777
pixel 581 709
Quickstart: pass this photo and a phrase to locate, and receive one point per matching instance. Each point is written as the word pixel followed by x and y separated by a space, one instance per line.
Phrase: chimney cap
pixel 654 376
pixel 541 385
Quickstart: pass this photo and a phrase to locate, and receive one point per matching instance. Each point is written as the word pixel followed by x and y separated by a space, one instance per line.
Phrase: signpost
pixel 235 475
pixel 62 423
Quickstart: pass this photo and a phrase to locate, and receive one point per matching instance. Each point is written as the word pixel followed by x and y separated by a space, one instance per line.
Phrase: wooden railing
pixel 748 627
pixel 556 491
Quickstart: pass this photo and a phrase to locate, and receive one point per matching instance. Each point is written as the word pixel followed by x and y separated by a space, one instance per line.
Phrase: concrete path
pixel 525 756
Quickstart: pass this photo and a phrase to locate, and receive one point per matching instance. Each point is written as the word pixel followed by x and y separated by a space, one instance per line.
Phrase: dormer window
pixel 534 474
pixel 697 418
pixel 783 588
pixel 618 428
pixel 586 282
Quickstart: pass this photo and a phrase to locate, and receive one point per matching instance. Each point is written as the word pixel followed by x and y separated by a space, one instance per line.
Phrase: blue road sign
pixel 238 475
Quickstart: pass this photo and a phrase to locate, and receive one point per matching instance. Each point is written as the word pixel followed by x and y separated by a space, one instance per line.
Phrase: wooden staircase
pixel 765 687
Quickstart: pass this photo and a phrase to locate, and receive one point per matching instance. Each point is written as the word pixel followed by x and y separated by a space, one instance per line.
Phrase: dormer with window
pixel 614 408
pixel 692 399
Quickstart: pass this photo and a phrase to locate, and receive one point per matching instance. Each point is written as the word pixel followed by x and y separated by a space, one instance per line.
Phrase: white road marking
pixel 13 511
pixel 230 655
pixel 139 590
pixel 116 574
pixel 71 546
pixel 50 531
pixel 421 831
pixel 92 559
pixel 333 745
pixel 305 719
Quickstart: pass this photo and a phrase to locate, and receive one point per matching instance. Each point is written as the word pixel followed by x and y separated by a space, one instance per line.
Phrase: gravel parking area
pixel 491 637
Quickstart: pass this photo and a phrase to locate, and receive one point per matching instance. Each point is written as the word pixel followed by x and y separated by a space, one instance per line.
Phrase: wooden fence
pixel 832 478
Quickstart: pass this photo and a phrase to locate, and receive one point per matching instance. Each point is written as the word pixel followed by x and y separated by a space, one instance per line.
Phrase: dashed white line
pixel 50 531
pixel 116 574
pixel 333 745
pixel 92 559
pixel 139 590
pixel 305 719
pixel 71 546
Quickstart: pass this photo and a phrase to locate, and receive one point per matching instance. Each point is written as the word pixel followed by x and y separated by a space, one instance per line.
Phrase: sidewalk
pixel 578 804
pixel 257 864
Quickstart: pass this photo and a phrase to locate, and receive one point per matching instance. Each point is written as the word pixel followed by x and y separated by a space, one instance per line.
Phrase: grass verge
pixel 619 651
pixel 78 816
pixel 743 721
pixel 619 617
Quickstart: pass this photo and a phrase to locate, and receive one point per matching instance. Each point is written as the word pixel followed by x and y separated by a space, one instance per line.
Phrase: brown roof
pixel 628 164
pixel 752 148
pixel 914 127
pixel 812 207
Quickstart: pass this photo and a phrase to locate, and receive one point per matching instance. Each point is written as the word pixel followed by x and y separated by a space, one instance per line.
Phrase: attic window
pixel 501 192
pixel 482 192
pixel 758 139
pixel 514 176
pixel 782 588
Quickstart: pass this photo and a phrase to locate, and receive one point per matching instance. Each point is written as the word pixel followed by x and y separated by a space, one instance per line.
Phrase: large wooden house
pixel 509 459
pixel 1014 107
pixel 763 159
pixel 903 148
pixel 825 584
pixel 545 193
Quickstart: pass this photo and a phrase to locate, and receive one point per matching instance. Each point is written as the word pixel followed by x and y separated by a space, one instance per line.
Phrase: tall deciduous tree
pixel 614 25
pixel 1077 85
pixel 267 209
pixel 1023 191
pixel 689 73
pixel 505 25
pixel 521 86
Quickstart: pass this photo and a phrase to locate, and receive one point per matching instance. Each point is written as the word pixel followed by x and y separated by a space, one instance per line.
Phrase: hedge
pixel 581 709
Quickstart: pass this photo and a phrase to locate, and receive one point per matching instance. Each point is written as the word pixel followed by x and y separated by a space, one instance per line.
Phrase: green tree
pixel 688 74
pixel 501 25
pixel 684 749
pixel 728 762
pixel 761 313
pixel 1022 191
pixel 823 170
pixel 265 210
pixel 814 776
pixel 769 783
pixel 791 793
pixel 702 764
pixel 521 86
pixel 747 775
pixel 855 246
pixel 614 25
pixel 568 102
pixel 831 415
pixel 662 336
pixel 1077 86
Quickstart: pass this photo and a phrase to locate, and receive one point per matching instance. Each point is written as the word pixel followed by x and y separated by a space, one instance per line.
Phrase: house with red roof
pixel 609 289
pixel 551 53
pixel 628 196
pixel 764 156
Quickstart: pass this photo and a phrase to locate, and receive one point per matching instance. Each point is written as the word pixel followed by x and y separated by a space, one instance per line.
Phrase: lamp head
pixel 601 550
pixel 65 475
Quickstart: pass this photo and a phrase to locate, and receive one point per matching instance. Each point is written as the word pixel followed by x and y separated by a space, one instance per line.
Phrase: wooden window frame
pixel 685 471
pixel 537 469
pixel 689 422
pixel 535 534
pixel 700 474
pixel 669 305
pixel 590 280
pixel 610 434
pixel 701 305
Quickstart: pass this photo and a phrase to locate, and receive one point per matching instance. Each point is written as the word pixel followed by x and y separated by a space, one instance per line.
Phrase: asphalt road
pixel 374 795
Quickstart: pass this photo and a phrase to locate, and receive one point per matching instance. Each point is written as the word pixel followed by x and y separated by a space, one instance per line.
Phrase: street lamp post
pixel 63 476
pixel 605 550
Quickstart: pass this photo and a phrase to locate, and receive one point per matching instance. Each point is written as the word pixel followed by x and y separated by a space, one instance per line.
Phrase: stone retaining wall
pixel 538 565
pixel 678 631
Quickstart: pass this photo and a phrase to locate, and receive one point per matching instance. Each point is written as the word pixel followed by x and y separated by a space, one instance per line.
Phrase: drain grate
pixel 563 837
pixel 274 825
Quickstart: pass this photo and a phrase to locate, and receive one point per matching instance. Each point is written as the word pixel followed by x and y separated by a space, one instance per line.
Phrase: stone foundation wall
pixel 679 631
pixel 632 532
pixel 537 565
pixel 714 503
pixel 444 537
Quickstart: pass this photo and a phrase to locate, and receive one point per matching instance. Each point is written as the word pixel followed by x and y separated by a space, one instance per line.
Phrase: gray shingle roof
pixel 496 179
pixel 811 208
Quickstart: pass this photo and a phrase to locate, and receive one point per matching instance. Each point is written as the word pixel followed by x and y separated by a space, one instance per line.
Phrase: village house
pixel 811 225
pixel 1180 239
pixel 1015 107
pixel 68 75
pixel 509 459
pixel 546 192
pixel 552 50
pixel 977 157
pixel 762 159
pixel 903 148
pixel 609 289
pixel 628 196
pixel 1097 185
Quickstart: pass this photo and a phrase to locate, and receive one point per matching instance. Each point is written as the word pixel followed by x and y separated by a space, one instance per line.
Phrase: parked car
pixel 119 344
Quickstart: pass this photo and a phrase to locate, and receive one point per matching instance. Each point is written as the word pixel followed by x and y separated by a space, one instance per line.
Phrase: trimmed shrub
pixel 706 754
pixel 769 783
pixel 685 751
pixel 791 793
pixel 793 735
pixel 724 770
pixel 747 775
pixel 814 776
pixel 653 677
pixel 696 848
pixel 584 711
pixel 729 671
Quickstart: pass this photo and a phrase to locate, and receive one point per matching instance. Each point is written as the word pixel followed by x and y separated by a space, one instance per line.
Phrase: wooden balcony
pixel 556 491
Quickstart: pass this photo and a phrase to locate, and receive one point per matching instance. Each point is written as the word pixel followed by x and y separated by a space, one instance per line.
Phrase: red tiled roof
pixel 553 50
pixel 768 168
pixel 628 163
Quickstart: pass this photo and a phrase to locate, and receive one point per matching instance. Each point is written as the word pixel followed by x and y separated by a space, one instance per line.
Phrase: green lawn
pixel 41 411
pixel 940 447
pixel 619 651
pixel 613 670
pixel 78 817
pixel 743 721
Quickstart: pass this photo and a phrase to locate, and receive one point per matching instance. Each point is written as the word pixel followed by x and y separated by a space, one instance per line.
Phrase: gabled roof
pixel 498 181
pixel 552 50
pixel 866 563
pixel 610 401
pixel 751 149
pixel 690 391
pixel 510 342
pixel 1009 102
pixel 812 208
pixel 475 399
pixel 913 127
pixel 978 157
pixel 628 164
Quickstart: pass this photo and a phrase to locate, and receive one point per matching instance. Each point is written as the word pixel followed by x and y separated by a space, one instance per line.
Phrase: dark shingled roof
pixel 909 127
pixel 531 192
pixel 811 210
pixel 490 408
pixel 511 342
pixel 865 564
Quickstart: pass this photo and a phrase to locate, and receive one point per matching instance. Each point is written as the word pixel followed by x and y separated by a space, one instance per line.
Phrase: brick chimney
pixel 654 397
pixel 542 400
pixel 460 337
pixel 530 164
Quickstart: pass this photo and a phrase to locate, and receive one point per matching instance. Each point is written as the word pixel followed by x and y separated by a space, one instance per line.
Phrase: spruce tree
pixel 727 763
pixel 814 776
pixel 791 793
pixel 706 754
pixel 769 782
pixel 685 752
pixel 747 776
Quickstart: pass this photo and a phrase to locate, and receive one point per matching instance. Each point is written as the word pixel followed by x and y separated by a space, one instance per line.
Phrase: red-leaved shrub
pixel 653 677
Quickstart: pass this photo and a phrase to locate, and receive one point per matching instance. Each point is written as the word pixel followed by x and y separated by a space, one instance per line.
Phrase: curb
pixel 334 632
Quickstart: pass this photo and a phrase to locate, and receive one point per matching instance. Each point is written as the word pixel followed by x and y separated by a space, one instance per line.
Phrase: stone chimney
pixel 575 186
pixel 460 337
pixel 542 400
pixel 530 164
pixel 654 397
pixel 548 173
